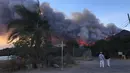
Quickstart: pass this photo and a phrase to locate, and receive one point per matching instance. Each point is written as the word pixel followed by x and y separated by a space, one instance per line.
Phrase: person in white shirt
pixel 101 58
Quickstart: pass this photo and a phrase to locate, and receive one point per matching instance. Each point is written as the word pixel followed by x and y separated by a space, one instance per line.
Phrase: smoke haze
pixel 84 25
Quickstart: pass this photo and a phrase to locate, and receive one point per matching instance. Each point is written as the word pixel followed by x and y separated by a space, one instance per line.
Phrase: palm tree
pixel 30 24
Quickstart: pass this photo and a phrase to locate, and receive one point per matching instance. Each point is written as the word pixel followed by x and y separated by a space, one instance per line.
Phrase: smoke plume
pixel 84 25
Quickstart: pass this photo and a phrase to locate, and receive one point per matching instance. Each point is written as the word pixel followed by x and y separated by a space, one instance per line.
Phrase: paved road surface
pixel 118 66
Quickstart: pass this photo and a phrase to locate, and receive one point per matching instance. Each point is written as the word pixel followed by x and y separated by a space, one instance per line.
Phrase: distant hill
pixel 114 44
pixel 121 35
pixel 5 52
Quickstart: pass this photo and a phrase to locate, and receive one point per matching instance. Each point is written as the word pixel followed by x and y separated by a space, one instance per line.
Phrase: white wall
pixel 4 58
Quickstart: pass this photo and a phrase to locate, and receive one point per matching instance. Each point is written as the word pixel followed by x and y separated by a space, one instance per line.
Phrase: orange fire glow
pixel 3 41
pixel 81 42
pixel 4 44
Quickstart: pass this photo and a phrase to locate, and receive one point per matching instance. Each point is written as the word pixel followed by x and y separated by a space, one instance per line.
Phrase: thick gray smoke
pixel 84 25
pixel 7 13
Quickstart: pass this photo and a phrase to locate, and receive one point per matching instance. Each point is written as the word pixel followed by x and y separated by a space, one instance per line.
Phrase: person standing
pixel 107 57
pixel 101 58
pixel 18 62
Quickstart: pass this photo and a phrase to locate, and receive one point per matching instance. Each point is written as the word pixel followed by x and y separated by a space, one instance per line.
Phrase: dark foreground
pixel 118 66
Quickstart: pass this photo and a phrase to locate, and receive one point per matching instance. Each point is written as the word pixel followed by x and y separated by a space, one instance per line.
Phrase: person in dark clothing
pixel 107 57
pixel 18 61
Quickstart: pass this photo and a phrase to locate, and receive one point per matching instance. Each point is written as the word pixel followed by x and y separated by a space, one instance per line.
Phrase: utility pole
pixel 62 56
pixel 128 17
pixel 73 50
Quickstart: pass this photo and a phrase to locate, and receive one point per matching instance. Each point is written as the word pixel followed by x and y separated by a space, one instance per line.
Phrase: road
pixel 117 66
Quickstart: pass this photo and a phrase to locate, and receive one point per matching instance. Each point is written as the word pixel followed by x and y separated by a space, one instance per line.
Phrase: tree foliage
pixel 32 30
pixel 113 46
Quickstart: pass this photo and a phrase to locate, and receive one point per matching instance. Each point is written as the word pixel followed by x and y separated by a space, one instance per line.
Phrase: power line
pixel 127 24
pixel 124 24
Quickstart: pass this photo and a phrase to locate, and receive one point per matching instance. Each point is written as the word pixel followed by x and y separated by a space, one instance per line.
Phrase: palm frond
pixel 32 41
pixel 17 33
pixel 44 25
pixel 12 38
pixel 12 34
pixel 36 37
pixel 17 23
pixel 26 14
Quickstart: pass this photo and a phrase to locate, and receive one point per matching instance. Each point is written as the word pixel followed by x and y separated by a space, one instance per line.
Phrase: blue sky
pixel 108 11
